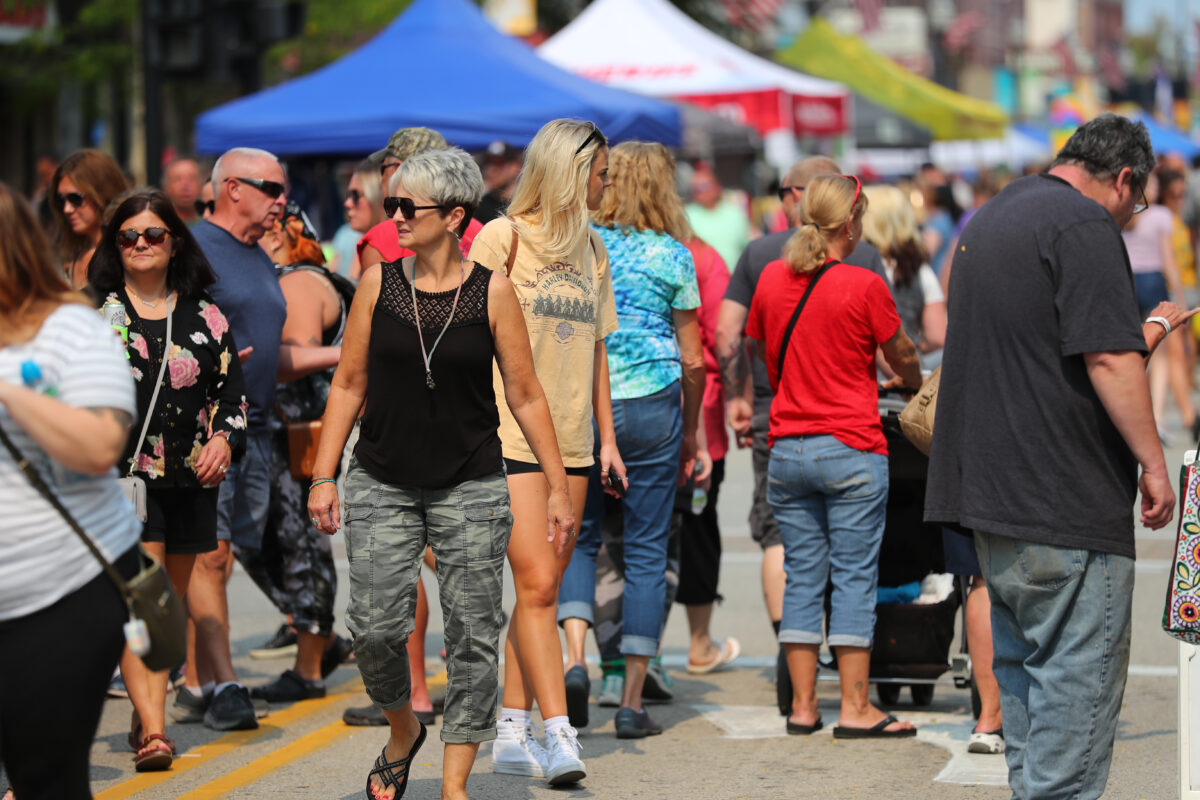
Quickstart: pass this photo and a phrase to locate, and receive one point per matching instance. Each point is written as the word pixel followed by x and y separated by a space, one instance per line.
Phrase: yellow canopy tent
pixel 948 115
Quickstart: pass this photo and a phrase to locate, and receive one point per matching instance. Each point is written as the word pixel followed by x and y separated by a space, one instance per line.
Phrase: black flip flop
pixel 385 769
pixel 796 729
pixel 874 732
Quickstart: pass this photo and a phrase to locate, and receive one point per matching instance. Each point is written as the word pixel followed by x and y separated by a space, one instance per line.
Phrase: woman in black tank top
pixel 418 352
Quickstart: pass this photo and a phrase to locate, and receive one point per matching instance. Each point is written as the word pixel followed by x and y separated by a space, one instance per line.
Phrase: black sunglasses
pixel 154 236
pixel 271 189
pixel 785 192
pixel 76 199
pixel 354 195
pixel 594 135
pixel 408 209
pixel 205 205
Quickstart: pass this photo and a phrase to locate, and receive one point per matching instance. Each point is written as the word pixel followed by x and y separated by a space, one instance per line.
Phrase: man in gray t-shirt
pixel 1043 419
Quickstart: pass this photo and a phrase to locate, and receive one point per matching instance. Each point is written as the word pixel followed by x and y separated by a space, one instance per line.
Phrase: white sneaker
pixel 562 751
pixel 517 751
pixel 986 742
pixel 611 690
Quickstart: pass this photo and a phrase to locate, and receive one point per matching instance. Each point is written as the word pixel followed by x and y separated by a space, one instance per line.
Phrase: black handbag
pixel 152 602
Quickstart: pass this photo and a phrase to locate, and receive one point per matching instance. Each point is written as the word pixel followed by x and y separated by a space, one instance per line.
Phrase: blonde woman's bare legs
pixel 533 665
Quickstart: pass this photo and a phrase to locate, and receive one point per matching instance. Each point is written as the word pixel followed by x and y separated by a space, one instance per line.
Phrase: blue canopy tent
pixel 1168 140
pixel 440 64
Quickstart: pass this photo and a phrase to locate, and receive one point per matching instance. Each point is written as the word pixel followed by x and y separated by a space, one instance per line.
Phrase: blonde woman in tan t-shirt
pixel 560 271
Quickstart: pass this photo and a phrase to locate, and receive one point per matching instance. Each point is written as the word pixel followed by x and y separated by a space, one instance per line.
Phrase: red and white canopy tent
pixel 653 48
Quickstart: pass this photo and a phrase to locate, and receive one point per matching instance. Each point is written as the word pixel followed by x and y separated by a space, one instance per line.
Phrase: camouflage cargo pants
pixel 386 529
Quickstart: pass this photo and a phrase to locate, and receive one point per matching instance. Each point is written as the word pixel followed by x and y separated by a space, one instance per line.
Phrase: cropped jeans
pixel 1061 622
pixel 831 504
pixel 386 529
pixel 650 436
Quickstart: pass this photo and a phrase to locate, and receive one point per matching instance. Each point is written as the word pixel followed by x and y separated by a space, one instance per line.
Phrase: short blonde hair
pixel 642 194
pixel 828 204
pixel 551 192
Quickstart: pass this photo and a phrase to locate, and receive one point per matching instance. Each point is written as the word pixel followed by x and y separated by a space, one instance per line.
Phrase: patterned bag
pixel 1181 616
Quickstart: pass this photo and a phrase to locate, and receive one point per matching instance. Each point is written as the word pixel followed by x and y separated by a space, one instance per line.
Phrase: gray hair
pixel 236 154
pixel 447 177
pixel 1108 144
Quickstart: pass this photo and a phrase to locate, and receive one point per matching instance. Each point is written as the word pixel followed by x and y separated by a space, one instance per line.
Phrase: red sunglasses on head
pixel 857 189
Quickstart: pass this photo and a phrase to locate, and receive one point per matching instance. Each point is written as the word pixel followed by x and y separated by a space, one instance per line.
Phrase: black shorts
pixel 525 467
pixel 184 519
pixel 960 554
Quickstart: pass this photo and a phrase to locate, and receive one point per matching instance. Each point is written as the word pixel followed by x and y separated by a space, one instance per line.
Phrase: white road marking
pixel 948 731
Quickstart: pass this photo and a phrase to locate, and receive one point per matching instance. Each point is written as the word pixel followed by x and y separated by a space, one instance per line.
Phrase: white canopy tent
pixel 652 48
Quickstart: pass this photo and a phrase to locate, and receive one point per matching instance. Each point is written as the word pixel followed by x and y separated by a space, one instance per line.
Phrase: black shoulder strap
pixel 787 334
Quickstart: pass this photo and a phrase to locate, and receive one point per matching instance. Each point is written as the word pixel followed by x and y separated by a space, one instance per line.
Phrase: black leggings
pixel 700 548
pixel 54 671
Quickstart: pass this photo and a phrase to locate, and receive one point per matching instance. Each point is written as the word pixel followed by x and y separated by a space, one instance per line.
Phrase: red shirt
pixel 829 385
pixel 713 277
pixel 386 239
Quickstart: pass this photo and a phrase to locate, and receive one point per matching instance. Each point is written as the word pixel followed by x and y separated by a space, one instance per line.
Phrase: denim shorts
pixel 245 495
pixel 831 504
pixel 386 529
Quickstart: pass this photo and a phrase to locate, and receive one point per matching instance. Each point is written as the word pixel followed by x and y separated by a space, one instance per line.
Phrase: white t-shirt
pixel 41 559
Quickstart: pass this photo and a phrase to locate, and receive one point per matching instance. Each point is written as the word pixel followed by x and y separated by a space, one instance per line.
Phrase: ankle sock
pixel 220 687
pixel 208 689
pixel 518 715
pixel 194 691
pixel 554 723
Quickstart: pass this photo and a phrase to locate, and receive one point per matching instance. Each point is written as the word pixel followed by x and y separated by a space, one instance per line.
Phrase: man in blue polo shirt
pixel 249 191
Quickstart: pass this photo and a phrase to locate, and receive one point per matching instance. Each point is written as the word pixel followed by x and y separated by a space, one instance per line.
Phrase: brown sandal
pixel 157 756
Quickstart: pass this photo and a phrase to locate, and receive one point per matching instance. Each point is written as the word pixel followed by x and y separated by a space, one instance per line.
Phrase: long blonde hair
pixel 550 197
pixel 891 225
pixel 30 286
pixel 828 204
pixel 643 193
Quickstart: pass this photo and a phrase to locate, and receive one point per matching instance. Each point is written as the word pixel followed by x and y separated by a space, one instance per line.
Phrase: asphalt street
pixel 723 739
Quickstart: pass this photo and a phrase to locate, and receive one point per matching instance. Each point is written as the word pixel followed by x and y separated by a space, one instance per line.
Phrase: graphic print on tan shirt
pixel 568 306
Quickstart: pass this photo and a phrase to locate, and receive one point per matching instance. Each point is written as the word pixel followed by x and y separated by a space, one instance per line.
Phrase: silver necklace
pixel 141 299
pixel 428 357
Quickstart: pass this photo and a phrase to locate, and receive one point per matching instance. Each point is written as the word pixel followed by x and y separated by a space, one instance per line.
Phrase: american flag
pixel 751 14
pixel 870 11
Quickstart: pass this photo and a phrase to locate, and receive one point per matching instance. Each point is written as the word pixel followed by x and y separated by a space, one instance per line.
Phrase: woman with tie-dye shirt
pixel 654 359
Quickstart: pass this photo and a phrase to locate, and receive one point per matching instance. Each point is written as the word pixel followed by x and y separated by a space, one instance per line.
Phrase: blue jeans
pixel 1060 637
pixel 831 504
pixel 245 495
pixel 649 437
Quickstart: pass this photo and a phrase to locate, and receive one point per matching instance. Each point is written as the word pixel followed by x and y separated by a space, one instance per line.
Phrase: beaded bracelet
pixel 319 481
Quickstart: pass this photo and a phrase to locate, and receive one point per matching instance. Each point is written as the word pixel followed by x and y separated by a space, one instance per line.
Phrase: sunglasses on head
pixel 595 135
pixel 154 236
pixel 205 205
pixel 786 191
pixel 407 208
pixel 76 199
pixel 857 189
pixel 271 189
pixel 354 195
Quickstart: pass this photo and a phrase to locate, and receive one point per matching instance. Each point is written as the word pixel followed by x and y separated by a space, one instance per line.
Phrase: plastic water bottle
pixel 699 496
pixel 33 378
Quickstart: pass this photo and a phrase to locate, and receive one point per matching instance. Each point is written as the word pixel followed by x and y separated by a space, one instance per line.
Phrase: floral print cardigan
pixel 203 393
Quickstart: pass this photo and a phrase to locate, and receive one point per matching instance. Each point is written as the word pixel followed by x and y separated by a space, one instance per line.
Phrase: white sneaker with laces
pixel 562 751
pixel 611 690
pixel 517 751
